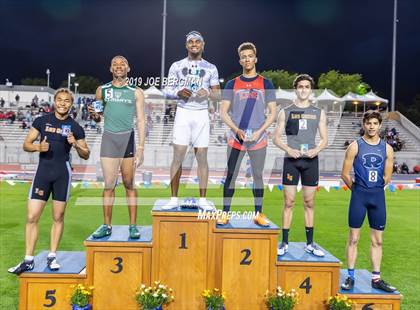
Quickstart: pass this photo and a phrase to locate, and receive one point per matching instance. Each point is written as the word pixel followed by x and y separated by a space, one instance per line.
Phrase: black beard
pixel 195 55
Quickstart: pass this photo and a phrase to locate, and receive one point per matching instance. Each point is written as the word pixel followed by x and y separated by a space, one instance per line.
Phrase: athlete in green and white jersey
pixel 121 103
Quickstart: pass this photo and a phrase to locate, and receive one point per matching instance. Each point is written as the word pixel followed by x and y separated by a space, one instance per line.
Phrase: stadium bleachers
pixel 340 129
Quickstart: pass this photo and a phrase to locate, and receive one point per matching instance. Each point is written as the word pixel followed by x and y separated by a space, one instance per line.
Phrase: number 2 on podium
pixel 246 260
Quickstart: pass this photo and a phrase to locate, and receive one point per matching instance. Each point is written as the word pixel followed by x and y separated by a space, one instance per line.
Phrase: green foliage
pixel 403 223
pixel 81 295
pixel 34 81
pixel 342 83
pixel 87 84
pixel 280 78
pixel 153 296
pixel 339 302
pixel 215 299
pixel 411 110
pixel 281 300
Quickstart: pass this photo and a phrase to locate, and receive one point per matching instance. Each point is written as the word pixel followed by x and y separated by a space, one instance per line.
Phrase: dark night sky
pixel 301 35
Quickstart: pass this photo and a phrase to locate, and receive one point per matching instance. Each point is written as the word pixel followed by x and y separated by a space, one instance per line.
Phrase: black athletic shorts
pixel 367 201
pixel 55 179
pixel 305 168
pixel 117 144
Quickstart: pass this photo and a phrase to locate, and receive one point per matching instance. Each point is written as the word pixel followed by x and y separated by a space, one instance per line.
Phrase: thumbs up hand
pixel 44 145
pixel 71 139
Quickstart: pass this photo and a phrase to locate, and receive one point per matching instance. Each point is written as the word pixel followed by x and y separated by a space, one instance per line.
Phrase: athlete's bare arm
pixel 30 146
pixel 272 107
pixel 224 109
pixel 141 125
pixel 80 145
pixel 281 122
pixel 389 164
pixel 323 135
pixel 351 153
pixel 215 93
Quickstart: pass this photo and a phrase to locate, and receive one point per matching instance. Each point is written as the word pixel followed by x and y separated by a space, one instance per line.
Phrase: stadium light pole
pixel 75 88
pixel 69 76
pixel 162 63
pixel 48 72
pixel 394 55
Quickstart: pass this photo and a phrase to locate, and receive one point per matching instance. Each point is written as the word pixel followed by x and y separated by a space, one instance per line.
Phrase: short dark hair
pixel 247 46
pixel 64 90
pixel 304 77
pixel 368 115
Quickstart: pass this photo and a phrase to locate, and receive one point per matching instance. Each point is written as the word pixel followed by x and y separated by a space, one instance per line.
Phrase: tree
pixel 87 84
pixel 280 78
pixel 342 83
pixel 34 81
pixel 411 111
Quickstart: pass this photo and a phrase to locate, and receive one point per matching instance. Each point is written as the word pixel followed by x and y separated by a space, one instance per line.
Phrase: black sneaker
pixel 52 263
pixel 22 267
pixel 382 285
pixel 348 284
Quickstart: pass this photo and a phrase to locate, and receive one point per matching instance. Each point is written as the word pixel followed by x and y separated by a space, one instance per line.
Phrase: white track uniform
pixel 191 124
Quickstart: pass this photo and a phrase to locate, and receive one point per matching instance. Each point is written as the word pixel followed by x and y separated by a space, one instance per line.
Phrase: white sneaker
pixel 171 204
pixel 283 249
pixel 313 249
pixel 52 263
pixel 206 205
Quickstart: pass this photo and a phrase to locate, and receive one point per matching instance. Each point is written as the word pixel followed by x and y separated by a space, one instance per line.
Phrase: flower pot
pixel 158 308
pixel 87 307
pixel 210 308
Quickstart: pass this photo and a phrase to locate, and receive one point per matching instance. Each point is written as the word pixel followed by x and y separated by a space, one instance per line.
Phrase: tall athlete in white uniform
pixel 192 81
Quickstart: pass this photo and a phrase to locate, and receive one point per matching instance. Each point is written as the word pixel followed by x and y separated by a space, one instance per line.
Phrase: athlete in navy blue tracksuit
pixel 57 133
pixel 372 161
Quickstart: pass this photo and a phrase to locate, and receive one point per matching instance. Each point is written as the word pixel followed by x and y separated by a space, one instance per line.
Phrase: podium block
pixel 314 278
pixel 116 265
pixel 183 258
pixel 246 262
pixel 41 288
pixel 368 298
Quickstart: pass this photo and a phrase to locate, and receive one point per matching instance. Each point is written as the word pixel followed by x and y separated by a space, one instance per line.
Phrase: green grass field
pixel 400 265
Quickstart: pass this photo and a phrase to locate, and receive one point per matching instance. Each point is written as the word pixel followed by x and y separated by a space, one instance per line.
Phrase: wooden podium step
pixel 183 254
pixel 315 278
pixel 117 265
pixel 246 262
pixel 41 288
pixel 368 298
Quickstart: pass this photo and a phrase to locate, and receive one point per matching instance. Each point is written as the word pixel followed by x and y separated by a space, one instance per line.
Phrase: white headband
pixel 195 35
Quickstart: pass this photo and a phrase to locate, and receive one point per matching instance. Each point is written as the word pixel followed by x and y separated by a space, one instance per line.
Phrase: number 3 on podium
pixel 119 265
